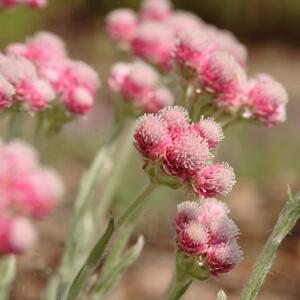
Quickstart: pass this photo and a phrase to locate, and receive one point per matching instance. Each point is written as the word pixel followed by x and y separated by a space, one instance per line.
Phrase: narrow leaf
pixel 125 262
pixel 91 263
pixel 286 221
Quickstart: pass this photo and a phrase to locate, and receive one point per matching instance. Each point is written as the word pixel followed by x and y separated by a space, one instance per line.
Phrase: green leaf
pixel 288 217
pixel 91 263
pixel 221 295
pixel 114 275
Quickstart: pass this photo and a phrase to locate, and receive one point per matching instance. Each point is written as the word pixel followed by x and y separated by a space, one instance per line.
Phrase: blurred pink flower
pixel 17 235
pixel 156 10
pixel 267 100
pixel 121 24
pixel 153 41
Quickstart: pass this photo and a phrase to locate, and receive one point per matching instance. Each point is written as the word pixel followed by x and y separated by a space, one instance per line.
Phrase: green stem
pixel 15 125
pixel 87 183
pixel 286 221
pixel 178 288
pixel 7 271
pixel 133 210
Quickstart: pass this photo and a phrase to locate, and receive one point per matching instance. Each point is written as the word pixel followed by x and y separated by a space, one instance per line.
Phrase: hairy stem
pixel 7 271
pixel 286 221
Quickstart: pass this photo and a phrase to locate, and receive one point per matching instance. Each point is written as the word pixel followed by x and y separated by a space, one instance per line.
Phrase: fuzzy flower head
pixel 7 92
pixel 209 130
pixel 78 100
pixel 213 180
pixel 153 41
pixel 222 75
pixel 158 99
pixel 226 41
pixel 267 100
pixel 204 230
pixel 159 10
pixel 35 95
pixel 42 47
pixel 192 50
pixel 177 119
pixel 17 235
pixel 151 137
pixel 28 189
pixel 121 24
pixel 188 154
pixel 183 21
pixel 118 73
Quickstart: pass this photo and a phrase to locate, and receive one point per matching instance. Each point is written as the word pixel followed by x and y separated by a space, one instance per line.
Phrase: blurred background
pixel 265 160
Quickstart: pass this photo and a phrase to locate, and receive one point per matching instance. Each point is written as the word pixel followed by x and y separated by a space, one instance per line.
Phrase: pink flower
pixel 7 92
pixel 192 50
pixel 210 130
pixel 227 41
pixel 140 81
pixel 153 41
pixel 177 119
pixel 45 46
pixel 204 230
pixel 121 24
pixel 151 137
pixel 186 156
pixel 156 10
pixel 224 257
pixel 161 97
pixel 37 194
pixel 36 95
pixel 17 235
pixel 78 100
pixel 17 70
pixel 193 238
pixel 118 74
pixel 81 74
pixel 37 3
pixel 267 100
pixel 213 180
pixel 222 75
pixel 182 21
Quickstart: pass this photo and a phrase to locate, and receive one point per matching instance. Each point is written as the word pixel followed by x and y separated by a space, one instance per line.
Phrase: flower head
pixel 183 21
pixel 213 180
pixel 222 75
pixel 151 137
pixel 156 10
pixel 188 154
pixel 17 235
pixel 153 42
pixel 7 92
pixel 121 24
pixel 267 99
pixel 210 130
pixel 204 230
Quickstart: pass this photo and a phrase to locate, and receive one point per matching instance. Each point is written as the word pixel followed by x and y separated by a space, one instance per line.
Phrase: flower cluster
pixel 28 191
pixel 30 3
pixel 205 232
pixel 182 150
pixel 138 83
pixel 44 77
pixel 210 60
pixel 152 34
